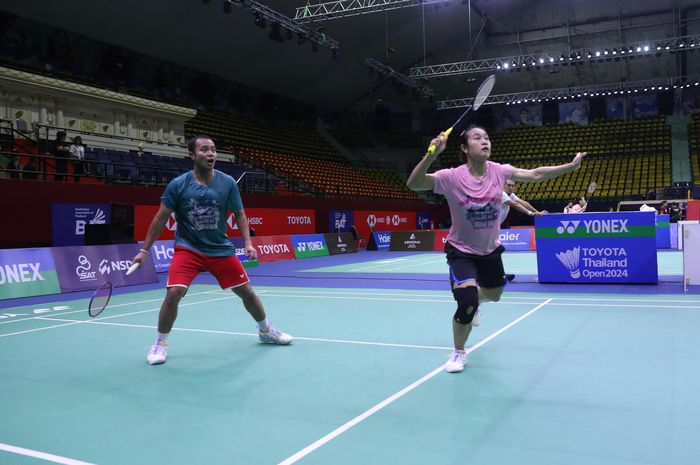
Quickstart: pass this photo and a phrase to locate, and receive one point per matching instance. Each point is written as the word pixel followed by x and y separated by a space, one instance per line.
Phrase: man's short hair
pixel 192 143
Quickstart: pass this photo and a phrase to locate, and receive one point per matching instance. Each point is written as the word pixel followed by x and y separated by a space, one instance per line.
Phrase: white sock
pixel 263 325
pixel 162 338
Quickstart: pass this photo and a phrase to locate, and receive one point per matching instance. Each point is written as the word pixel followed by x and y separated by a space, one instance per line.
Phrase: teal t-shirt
pixel 201 212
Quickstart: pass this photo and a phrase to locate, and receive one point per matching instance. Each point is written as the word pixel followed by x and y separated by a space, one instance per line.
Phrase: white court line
pixel 343 428
pixel 58 313
pixel 296 338
pixel 77 322
pixel 414 262
pixel 41 455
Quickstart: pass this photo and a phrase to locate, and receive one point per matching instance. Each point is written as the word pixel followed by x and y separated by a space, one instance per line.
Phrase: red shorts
pixel 187 264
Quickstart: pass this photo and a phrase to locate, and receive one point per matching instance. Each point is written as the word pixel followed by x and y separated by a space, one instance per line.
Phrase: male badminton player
pixel 201 199
pixel 474 195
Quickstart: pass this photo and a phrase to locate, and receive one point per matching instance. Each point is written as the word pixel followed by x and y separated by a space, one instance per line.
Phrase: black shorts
pixel 487 270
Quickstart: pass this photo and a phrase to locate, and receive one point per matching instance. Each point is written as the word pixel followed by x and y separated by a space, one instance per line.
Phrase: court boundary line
pixel 41 455
pixel 389 400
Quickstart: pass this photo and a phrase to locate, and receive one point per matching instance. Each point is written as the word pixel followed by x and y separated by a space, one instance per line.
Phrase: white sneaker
pixel 476 321
pixel 274 336
pixel 158 354
pixel 456 362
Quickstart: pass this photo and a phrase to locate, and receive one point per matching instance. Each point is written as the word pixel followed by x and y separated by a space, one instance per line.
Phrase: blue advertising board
pixel 382 239
pixel 68 221
pixel 424 220
pixel 309 245
pixel 340 220
pixel 663 232
pixel 515 239
pixel 597 248
pixel 162 254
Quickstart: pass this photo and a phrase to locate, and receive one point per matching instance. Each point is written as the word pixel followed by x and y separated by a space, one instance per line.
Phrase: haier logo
pixel 570 259
pixel 384 238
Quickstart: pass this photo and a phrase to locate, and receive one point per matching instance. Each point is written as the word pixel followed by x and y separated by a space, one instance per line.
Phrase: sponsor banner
pixel 143 215
pixel 27 272
pixel 87 267
pixel 340 243
pixel 380 241
pixel 663 232
pixel 240 252
pixel 275 221
pixel 412 240
pixel 440 239
pixel 340 220
pixel 68 221
pixel 309 245
pixel 597 248
pixel 516 239
pixel 162 255
pixel 368 221
pixel 271 248
pixel 424 220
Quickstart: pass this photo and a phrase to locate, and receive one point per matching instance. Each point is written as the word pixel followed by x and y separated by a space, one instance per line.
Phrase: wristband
pixel 143 251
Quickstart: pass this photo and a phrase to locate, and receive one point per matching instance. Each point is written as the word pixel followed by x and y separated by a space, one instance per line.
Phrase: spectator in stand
pixel 77 150
pixel 663 208
pixel 61 151
pixel 579 206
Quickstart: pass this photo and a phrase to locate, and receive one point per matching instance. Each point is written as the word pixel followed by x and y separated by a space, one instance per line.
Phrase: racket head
pixel 484 91
pixel 592 187
pixel 100 299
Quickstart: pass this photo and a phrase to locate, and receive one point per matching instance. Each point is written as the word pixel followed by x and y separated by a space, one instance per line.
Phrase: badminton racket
pixel 482 94
pixel 100 298
pixel 592 187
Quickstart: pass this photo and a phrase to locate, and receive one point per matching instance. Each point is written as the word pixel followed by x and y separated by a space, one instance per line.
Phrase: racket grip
pixel 132 268
pixel 433 147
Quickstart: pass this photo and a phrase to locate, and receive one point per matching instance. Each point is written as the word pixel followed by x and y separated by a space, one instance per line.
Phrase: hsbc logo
pixel 371 220
pixel 396 220
pixel 171 224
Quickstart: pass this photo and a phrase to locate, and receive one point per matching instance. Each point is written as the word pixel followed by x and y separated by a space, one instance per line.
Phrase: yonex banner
pixel 27 272
pixel 412 240
pixel 271 248
pixel 310 245
pixel 68 221
pixel 597 248
pixel 663 232
pixel 87 267
pixel 340 220
pixel 380 241
pixel 515 239
pixel 340 243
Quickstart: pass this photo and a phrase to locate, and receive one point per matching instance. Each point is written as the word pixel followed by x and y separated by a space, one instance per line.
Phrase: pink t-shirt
pixel 474 205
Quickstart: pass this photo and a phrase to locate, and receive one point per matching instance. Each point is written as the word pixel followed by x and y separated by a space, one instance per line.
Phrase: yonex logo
pixel 568 226
pixel 570 259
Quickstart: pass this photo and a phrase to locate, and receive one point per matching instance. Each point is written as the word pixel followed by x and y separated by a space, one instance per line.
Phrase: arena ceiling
pixel 197 34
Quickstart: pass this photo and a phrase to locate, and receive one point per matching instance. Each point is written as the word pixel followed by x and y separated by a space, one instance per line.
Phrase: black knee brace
pixel 467 302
